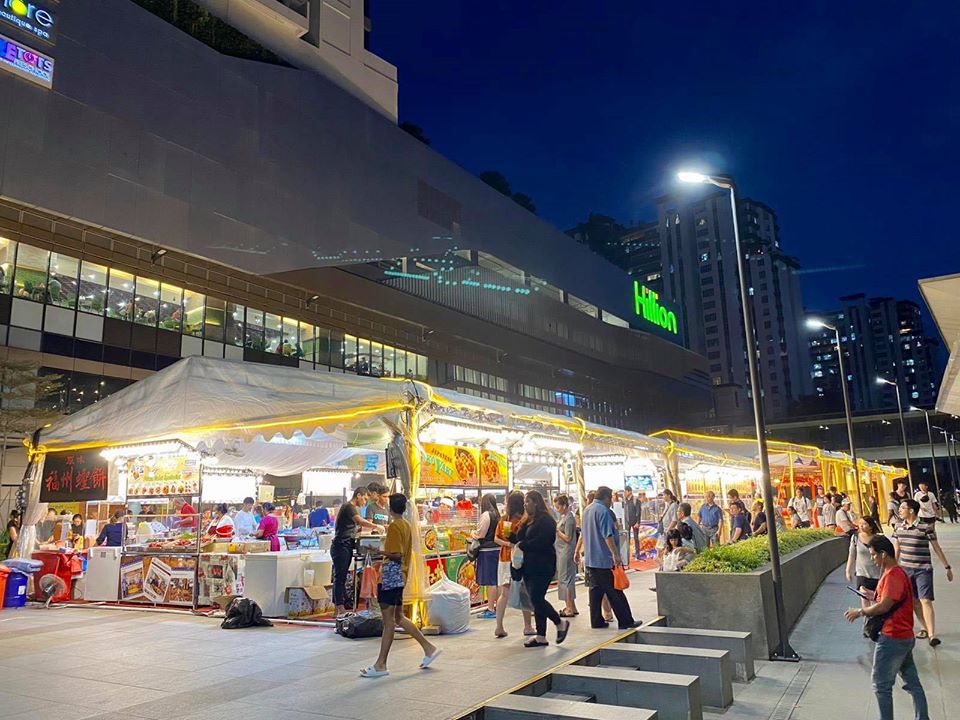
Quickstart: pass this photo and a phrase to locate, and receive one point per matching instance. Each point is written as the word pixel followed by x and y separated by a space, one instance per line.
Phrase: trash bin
pixel 15 593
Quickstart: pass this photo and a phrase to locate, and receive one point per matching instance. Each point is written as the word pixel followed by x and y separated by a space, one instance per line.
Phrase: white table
pixel 268 575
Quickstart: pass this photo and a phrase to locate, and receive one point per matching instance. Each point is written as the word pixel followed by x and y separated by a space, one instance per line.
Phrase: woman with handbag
pixel 397 552
pixel 538 531
pixel 488 553
pixel 513 514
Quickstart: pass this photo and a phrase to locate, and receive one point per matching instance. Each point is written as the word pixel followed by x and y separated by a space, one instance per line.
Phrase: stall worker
pixel 344 543
pixel 112 533
pixel 187 516
pixel 376 509
pixel 269 526
pixel 319 516
pixel 45 528
pixel 222 525
pixel 245 522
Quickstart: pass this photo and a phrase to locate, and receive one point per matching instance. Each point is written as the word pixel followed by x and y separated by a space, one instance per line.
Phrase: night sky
pixel 844 117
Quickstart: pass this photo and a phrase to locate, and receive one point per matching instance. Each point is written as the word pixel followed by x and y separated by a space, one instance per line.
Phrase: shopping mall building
pixel 160 198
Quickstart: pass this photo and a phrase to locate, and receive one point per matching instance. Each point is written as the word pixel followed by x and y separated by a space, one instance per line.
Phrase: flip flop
pixel 427 659
pixel 372 672
pixel 534 644
pixel 562 629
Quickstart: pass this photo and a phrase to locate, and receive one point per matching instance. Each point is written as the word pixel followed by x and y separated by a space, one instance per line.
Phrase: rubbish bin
pixel 15 593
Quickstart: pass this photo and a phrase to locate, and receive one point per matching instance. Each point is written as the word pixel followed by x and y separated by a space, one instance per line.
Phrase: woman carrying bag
pixel 510 590
pixel 488 553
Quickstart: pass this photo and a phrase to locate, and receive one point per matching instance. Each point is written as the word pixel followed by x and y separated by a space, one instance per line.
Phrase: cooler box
pixel 102 579
pixel 59 564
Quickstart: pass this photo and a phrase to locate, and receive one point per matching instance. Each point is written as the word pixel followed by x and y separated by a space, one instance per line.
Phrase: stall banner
pixel 449 466
pixel 74 476
pixel 160 475
pixel 493 469
pixel 219 574
pixel 159 579
pixel 464 572
pixel 435 570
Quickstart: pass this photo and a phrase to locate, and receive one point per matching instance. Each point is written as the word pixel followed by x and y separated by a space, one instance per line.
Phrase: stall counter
pixel 268 575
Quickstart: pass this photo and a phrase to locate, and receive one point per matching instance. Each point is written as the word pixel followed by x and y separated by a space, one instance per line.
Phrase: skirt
pixel 487 562
pixel 566 576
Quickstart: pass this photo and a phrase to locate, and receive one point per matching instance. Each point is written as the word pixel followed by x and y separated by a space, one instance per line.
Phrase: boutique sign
pixel 25 62
pixel 646 304
pixel 37 19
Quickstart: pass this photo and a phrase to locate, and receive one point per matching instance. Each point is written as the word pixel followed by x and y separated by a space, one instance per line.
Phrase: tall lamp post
pixel 946 441
pixel 933 454
pixel 903 426
pixel 814 323
pixel 783 651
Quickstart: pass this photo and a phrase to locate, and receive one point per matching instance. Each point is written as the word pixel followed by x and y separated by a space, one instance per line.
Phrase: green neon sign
pixel 646 305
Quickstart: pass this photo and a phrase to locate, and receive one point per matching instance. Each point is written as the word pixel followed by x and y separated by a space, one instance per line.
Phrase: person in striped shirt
pixel 914 540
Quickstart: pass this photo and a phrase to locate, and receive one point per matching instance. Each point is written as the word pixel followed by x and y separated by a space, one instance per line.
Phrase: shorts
pixel 393 596
pixel 922 581
pixel 867 583
pixel 503 572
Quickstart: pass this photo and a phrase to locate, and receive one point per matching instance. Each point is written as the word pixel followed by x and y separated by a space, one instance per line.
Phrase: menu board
pixel 74 476
pixel 493 469
pixel 448 465
pixel 160 475
pixel 159 579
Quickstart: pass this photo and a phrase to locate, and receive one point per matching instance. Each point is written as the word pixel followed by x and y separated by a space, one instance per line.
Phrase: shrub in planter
pixel 748 555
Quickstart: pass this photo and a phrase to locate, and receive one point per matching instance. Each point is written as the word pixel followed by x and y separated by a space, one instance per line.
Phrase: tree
pixel 602 234
pixel 525 201
pixel 497 181
pixel 414 130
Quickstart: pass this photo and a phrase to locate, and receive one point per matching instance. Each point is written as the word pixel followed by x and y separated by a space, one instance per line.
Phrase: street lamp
pixel 903 426
pixel 950 459
pixel 933 454
pixel 815 323
pixel 783 651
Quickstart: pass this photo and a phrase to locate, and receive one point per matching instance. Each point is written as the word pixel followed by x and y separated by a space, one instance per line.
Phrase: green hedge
pixel 750 554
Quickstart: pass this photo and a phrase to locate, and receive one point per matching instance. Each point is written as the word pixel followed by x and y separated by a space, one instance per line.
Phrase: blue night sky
pixel 844 117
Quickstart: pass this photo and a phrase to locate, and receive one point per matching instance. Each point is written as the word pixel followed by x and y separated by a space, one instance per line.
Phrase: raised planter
pixel 744 601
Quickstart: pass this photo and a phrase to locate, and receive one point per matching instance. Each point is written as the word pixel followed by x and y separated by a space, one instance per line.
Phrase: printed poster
pixel 158 579
pixel 449 466
pixel 493 469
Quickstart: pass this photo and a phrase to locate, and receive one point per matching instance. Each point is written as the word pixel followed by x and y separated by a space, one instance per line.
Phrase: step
pixel 528 707
pixel 739 644
pixel 569 696
pixel 713 667
pixel 673 696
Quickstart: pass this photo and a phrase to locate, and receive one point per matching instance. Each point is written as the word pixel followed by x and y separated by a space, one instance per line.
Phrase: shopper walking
pixel 929 507
pixel 948 500
pixel 344 544
pixel 565 547
pixel 914 541
pixel 893 653
pixel 508 525
pixel 601 554
pixel 893 509
pixel 829 513
pixel 860 565
pixel 538 532
pixel 802 505
pixel 397 552
pixel 631 519
pixel 711 517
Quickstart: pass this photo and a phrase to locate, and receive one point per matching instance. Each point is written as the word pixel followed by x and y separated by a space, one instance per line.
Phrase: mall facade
pixel 160 199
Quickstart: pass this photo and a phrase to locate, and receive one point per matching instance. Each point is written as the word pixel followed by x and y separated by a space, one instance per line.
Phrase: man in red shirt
pixel 893 653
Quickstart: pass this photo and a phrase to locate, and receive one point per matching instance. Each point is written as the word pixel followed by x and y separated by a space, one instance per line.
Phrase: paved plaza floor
pixel 78 663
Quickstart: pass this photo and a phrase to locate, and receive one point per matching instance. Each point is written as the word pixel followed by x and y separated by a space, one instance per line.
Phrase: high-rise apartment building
pixel 880 337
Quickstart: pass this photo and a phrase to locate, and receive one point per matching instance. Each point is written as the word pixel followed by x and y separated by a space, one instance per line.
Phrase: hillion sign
pixel 37 19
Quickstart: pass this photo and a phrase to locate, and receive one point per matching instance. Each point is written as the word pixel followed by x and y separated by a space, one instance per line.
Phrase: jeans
pixel 342 555
pixel 542 610
pixel 600 582
pixel 891 657
pixel 636 541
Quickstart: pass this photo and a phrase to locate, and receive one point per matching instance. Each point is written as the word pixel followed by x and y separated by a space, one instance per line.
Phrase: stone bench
pixel 713 667
pixel 738 644
pixel 673 696
pixel 529 707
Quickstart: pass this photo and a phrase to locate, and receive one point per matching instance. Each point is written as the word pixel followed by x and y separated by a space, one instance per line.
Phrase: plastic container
pixel 15 593
pixel 59 564
pixel 4 571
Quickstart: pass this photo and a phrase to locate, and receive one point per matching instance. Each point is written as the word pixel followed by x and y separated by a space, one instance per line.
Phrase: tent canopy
pixel 942 295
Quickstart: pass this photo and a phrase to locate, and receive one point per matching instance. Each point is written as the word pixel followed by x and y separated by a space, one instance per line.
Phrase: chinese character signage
pixel 74 476
pixel 36 18
pixel 447 465
pixel 29 64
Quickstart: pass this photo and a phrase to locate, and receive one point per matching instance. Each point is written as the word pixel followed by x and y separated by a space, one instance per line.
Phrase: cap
pixel 846 501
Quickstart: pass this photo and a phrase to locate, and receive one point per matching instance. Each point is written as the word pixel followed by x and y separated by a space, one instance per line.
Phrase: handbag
pixel 620 579
pixel 368 582
pixel 874 625
pixel 473 550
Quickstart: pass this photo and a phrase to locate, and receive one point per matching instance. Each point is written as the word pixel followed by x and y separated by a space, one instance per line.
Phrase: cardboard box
pixel 306 602
pixel 254 546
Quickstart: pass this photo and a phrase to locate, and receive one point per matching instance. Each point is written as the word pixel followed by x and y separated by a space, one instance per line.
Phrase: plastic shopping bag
pixel 368 584
pixel 448 606
pixel 519 598
pixel 620 579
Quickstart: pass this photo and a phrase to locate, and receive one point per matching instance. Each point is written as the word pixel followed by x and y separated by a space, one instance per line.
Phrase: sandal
pixel 564 613
pixel 534 644
pixel 562 629
pixel 372 672
pixel 922 635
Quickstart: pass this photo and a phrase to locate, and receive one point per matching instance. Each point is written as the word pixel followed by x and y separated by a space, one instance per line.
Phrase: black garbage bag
pixel 363 624
pixel 243 613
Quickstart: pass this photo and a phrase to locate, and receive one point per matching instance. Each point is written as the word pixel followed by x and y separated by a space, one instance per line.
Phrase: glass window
pixel 214 320
pixel 254 334
pixel 350 352
pixel 235 324
pixel 193 313
pixel 93 288
pixel 338 349
pixel 389 354
pixel 171 307
pixel 376 359
pixel 400 364
pixel 363 357
pixel 8 249
pixel 147 301
pixel 120 299
pixel 30 277
pixel 307 342
pixel 272 333
pixel 322 346
pixel 291 341
pixel 62 287
pixel 421 371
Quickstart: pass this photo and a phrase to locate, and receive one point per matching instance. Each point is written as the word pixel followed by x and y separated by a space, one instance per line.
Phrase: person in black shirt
pixel 759 522
pixel 631 519
pixel 344 542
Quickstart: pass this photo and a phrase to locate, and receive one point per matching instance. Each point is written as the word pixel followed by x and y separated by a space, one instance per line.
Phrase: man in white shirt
pixel 929 507
pixel 802 505
pixel 245 522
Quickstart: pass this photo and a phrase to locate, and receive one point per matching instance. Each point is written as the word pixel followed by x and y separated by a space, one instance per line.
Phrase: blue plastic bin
pixel 15 594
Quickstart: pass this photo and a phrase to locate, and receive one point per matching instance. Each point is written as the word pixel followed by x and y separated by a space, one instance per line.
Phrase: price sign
pixel 74 477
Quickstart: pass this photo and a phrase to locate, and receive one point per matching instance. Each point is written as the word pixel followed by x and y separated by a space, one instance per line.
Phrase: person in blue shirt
pixel 739 522
pixel 601 553
pixel 711 517
pixel 112 533
pixel 319 516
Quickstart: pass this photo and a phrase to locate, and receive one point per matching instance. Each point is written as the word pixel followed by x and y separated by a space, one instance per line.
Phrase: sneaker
pixel 487 615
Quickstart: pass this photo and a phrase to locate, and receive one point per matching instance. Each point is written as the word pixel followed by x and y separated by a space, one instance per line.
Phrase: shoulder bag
pixel 874 625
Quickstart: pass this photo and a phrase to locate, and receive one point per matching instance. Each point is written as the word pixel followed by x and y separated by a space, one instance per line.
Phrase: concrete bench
pixel 528 707
pixel 714 667
pixel 674 697
pixel 739 644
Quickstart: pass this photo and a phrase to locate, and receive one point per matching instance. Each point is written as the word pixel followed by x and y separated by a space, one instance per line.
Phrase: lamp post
pixel 815 323
pixel 933 454
pixel 783 651
pixel 903 426
pixel 946 441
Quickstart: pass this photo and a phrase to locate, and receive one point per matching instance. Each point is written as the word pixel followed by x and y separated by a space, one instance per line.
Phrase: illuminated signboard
pixel 27 63
pixel 646 305
pixel 37 19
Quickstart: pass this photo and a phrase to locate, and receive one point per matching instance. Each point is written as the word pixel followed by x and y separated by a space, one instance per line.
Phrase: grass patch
pixel 748 555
